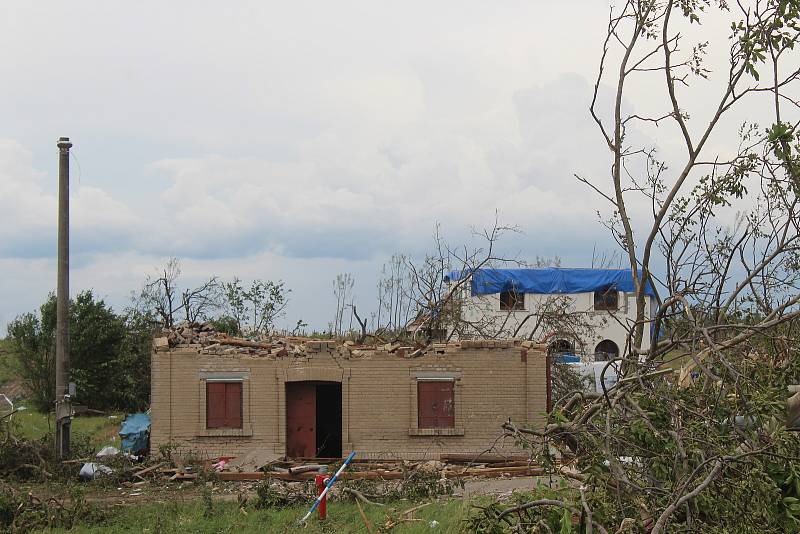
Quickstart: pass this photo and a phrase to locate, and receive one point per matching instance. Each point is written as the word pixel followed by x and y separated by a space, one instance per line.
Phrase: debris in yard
pixel 405 517
pixel 135 433
pixel 149 469
pixel 91 470
pixel 305 469
pixel 220 466
pixel 107 451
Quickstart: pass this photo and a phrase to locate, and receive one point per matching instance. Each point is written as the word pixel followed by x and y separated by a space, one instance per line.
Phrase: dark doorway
pixel 329 420
pixel 313 419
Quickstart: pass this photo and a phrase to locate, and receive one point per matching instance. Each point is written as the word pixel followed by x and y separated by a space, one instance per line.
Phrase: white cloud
pixel 294 139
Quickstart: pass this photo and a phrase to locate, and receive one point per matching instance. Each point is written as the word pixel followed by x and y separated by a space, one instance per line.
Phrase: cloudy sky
pixel 293 140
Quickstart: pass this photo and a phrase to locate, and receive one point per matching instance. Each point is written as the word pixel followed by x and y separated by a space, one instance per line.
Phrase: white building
pixel 586 312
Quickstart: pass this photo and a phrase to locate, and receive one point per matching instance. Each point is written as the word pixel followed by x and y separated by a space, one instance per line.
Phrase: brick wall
pixel 494 380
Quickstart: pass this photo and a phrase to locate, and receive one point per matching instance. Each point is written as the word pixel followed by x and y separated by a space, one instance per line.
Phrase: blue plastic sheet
pixel 135 432
pixel 549 280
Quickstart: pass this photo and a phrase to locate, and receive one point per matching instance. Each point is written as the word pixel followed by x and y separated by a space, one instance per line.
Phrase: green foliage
pixel 109 354
pixel 32 337
pixel 225 324
pixel 253 310
pixel 272 495
pixel 26 513
pixel 418 485
pixel 566 380
pixel 670 438
pixel 485 517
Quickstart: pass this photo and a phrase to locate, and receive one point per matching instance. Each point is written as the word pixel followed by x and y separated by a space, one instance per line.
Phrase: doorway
pixel 314 419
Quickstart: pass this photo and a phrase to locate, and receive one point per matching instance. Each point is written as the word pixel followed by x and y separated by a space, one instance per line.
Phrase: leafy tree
pixel 253 310
pixel 32 336
pixel 226 324
pixel 109 354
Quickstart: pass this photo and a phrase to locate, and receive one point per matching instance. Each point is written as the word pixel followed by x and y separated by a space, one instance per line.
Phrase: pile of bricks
pixel 206 340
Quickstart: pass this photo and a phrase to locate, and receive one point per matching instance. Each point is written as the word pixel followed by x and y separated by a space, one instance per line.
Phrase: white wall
pixel 595 326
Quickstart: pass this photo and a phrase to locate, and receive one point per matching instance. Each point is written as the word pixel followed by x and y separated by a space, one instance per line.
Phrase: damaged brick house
pixel 323 398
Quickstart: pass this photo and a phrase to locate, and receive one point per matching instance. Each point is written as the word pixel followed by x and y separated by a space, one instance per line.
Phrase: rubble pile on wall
pixel 206 340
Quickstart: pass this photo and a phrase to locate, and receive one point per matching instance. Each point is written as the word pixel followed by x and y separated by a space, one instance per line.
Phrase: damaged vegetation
pixel 694 435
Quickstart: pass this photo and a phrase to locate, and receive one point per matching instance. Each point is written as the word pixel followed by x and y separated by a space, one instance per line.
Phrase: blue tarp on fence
pixel 135 432
pixel 549 280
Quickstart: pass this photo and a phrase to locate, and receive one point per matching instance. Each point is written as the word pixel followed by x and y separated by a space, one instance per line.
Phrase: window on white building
pixel 606 300
pixel 511 300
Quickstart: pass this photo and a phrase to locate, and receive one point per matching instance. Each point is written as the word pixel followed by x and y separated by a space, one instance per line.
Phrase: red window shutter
pixel 435 404
pixel 223 405
pixel 215 404
pixel 233 405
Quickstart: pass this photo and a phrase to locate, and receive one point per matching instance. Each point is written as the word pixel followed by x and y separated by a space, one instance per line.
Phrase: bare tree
pixel 163 297
pixel 343 291
pixel 701 448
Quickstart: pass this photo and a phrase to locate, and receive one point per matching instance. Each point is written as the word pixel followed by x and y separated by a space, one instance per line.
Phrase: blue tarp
pixel 135 432
pixel 549 280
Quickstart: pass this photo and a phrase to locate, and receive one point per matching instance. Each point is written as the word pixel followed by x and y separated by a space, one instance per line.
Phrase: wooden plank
pixel 500 471
pixel 358 475
pixel 481 458
pixel 149 469
pixel 388 475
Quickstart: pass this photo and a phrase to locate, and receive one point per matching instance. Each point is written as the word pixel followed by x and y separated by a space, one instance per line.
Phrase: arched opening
pixel 606 350
pixel 563 350
pixel 561 346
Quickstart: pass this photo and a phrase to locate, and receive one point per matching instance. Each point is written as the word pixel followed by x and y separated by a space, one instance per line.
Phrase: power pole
pixel 63 406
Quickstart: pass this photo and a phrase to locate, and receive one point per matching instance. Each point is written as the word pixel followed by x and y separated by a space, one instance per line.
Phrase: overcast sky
pixel 293 140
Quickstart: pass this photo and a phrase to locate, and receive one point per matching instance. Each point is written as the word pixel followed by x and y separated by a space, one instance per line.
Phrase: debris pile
pixel 206 340
pixel 455 466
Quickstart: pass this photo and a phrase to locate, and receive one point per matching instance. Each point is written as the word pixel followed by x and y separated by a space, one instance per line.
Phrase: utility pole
pixel 63 406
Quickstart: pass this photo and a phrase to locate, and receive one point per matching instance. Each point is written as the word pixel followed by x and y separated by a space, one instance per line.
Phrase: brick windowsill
pixel 245 432
pixel 435 431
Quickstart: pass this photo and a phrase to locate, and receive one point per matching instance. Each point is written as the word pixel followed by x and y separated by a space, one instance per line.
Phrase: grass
pixel 99 430
pixel 343 517
pixel 33 425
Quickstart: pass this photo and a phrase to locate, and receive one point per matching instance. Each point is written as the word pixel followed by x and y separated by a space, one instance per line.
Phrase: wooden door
pixel 301 419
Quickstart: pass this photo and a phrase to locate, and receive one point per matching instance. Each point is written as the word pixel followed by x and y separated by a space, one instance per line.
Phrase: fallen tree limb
pixel 360 496
pixel 367 524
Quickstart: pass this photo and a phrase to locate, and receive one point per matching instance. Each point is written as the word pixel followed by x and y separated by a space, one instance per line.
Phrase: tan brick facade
pixel 493 381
